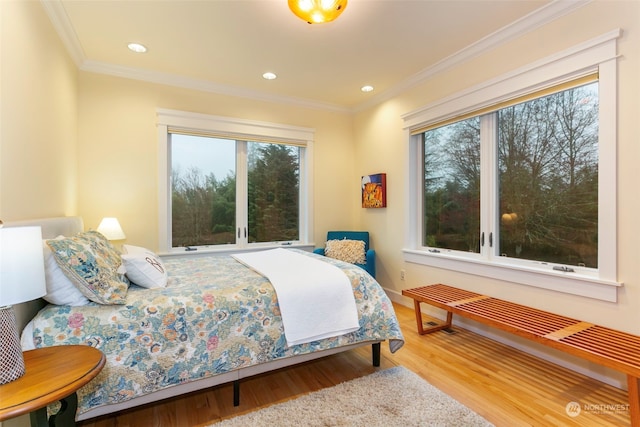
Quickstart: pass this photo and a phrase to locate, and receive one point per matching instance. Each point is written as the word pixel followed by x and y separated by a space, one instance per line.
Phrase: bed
pixel 216 321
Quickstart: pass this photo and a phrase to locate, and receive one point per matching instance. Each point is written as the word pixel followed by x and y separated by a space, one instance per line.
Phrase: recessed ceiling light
pixel 366 88
pixel 137 47
pixel 269 76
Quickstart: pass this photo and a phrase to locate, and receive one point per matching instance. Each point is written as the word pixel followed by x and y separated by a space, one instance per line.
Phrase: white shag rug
pixel 393 397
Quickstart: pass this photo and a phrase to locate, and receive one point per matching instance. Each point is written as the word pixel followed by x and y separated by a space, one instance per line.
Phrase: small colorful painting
pixel 374 191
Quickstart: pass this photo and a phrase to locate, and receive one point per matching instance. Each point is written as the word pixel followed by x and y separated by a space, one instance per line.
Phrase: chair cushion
pixel 351 251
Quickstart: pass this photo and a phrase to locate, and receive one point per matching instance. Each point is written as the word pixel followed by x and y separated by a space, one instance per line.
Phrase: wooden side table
pixel 52 374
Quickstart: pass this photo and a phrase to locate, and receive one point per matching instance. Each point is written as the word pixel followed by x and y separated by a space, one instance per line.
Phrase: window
pixel 451 186
pixel 203 190
pixel 548 179
pixel 515 179
pixel 232 184
pixel 546 170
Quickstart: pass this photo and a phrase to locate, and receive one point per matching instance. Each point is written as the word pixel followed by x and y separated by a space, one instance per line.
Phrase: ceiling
pixel 226 46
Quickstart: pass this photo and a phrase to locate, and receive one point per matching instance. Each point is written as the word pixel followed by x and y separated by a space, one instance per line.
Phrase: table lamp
pixel 21 279
pixel 110 228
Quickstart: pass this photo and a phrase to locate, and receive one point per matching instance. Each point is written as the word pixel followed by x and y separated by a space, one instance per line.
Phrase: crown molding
pixel 528 23
pixel 61 23
pixel 536 19
pixel 202 85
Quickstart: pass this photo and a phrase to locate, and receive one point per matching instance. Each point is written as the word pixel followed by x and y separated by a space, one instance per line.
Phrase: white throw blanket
pixel 315 298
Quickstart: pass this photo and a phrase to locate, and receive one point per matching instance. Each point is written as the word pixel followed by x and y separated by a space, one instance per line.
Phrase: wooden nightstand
pixel 52 374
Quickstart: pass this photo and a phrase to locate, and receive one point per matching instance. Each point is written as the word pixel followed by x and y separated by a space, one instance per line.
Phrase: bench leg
pixel 634 400
pixel 416 306
pixel 421 329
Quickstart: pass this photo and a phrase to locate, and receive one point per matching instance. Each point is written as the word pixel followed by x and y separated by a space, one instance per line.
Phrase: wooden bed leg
pixel 375 353
pixel 236 393
pixel 634 400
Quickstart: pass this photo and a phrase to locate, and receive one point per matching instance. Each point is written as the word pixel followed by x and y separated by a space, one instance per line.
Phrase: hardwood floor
pixel 504 385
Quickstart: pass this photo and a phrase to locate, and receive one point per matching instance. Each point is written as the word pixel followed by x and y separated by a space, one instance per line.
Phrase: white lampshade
pixel 21 280
pixel 21 265
pixel 110 228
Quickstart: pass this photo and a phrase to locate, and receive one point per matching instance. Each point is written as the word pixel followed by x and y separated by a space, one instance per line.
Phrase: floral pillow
pixel 346 250
pixel 60 290
pixel 93 265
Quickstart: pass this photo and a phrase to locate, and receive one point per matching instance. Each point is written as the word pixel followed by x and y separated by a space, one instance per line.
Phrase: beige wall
pixel 381 145
pixel 38 120
pixel 118 155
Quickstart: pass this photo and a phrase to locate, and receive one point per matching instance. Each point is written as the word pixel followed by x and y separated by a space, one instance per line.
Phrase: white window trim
pixel 598 54
pixel 246 128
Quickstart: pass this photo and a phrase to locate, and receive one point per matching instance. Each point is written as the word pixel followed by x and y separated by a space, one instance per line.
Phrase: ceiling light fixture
pixel 367 88
pixel 317 11
pixel 269 75
pixel 137 47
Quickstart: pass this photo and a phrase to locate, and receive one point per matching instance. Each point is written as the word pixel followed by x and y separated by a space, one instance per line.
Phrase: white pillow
pixel 144 268
pixel 60 290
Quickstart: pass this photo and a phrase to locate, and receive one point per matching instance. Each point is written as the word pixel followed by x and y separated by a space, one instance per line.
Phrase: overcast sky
pixel 207 154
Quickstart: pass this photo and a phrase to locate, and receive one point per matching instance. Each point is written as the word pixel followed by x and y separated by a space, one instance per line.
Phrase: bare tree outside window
pixel 548 166
pixel 547 172
pixel 452 186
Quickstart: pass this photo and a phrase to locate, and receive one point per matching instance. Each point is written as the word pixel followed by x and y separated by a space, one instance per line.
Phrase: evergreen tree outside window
pixel 231 183
pixel 274 192
pixel 203 205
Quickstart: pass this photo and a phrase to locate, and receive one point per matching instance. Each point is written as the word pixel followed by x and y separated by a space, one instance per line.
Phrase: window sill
pixel 230 249
pixel 570 283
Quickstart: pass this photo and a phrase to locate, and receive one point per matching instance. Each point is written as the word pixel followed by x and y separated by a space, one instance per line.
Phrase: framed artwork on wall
pixel 374 191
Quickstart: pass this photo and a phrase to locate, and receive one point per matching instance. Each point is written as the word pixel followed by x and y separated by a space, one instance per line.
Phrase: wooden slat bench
pixel 604 346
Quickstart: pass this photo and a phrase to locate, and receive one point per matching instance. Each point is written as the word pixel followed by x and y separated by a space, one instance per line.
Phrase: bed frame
pixel 67 226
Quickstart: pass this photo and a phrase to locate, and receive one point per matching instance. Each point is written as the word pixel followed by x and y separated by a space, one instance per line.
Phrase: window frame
pixel 242 130
pixel 596 55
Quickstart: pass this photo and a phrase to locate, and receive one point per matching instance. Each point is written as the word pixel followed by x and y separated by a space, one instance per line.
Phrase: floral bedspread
pixel 215 316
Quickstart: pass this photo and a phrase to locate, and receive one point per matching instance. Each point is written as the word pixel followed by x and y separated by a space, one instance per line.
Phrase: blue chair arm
pixel 371 262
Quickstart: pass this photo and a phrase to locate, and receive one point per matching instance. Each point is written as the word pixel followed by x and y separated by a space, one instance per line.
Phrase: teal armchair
pixel 370 254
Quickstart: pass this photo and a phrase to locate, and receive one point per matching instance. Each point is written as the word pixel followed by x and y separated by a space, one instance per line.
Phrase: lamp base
pixel 11 359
